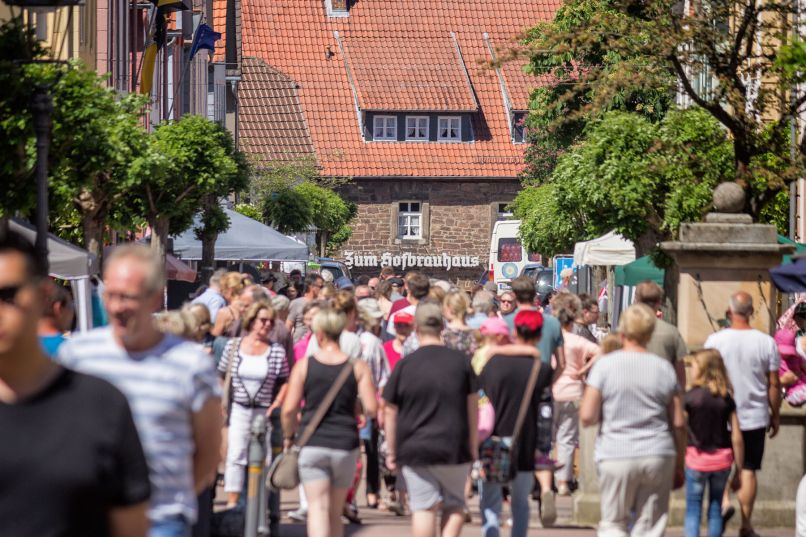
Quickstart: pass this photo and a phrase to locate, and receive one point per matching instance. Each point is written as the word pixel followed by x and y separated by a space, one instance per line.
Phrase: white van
pixel 507 256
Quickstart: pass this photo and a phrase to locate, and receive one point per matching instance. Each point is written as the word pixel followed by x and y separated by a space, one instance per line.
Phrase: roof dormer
pixel 338 8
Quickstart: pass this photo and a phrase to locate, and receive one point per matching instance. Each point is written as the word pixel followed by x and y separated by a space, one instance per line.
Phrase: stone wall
pixel 458 216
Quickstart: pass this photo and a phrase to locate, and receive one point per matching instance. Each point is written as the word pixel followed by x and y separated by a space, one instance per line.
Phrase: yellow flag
pixel 149 59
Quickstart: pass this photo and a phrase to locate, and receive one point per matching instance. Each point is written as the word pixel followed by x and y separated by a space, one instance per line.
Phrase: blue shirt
pixel 551 335
pixel 50 344
pixel 165 386
pixel 213 300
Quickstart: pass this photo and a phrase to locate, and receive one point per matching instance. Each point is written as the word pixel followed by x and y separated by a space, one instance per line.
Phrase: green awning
pixel 638 271
pixel 800 248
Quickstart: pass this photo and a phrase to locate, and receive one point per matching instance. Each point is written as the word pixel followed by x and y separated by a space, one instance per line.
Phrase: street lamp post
pixel 42 107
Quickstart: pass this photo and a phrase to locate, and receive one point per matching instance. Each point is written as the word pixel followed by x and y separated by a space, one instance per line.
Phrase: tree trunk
pixel 671 278
pixel 92 225
pixel 159 235
pixel 208 245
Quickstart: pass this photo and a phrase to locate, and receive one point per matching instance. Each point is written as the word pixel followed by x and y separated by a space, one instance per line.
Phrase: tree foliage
pixel 606 54
pixel 187 164
pixel 639 178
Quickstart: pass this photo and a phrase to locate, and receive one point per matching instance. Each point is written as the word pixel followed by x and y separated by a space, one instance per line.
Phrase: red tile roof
pixel 295 37
pixel 220 25
pixel 409 74
pixel 271 124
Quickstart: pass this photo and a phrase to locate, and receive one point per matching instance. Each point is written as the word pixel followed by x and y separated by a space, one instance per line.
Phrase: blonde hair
pixel 198 316
pixel 328 292
pixel 611 343
pixel 344 302
pixel 232 282
pixel 637 323
pixel 177 323
pixel 711 372
pixel 457 304
pixel 329 321
pixel 154 279
pixel 253 311
pixel 437 294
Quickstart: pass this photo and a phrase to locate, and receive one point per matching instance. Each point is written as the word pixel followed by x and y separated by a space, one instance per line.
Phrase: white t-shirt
pixel 253 370
pixel 348 343
pixel 749 356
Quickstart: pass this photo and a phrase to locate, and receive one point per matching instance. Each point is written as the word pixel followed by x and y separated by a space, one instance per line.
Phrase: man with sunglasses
pixel 170 384
pixel 71 462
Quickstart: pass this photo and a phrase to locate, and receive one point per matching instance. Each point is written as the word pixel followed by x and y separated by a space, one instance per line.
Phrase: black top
pixel 430 388
pixel 67 456
pixel 339 428
pixel 708 419
pixel 504 381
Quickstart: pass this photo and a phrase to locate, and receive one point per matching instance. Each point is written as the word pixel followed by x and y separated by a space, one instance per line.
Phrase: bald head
pixel 741 304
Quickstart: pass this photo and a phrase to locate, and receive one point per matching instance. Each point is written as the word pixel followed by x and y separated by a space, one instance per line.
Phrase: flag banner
pixel 205 38
pixel 149 59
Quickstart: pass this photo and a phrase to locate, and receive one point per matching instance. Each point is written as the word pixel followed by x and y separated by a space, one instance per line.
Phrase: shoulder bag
pixel 284 471
pixel 226 393
pixel 497 453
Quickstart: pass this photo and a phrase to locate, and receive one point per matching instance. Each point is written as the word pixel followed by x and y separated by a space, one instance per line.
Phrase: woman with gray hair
pixel 327 462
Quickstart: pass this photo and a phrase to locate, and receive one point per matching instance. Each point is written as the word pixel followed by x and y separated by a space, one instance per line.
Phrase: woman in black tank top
pixel 327 461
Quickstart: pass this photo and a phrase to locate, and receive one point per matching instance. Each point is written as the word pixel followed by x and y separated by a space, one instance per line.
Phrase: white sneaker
pixel 563 490
pixel 548 509
pixel 300 515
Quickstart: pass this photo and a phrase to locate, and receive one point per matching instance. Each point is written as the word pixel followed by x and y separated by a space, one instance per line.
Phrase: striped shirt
pixel 165 386
pixel 277 370
pixel 636 389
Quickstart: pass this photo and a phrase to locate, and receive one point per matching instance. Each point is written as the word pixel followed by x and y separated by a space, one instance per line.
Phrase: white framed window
pixel 410 220
pixel 449 129
pixel 384 128
pixel 503 213
pixel 416 127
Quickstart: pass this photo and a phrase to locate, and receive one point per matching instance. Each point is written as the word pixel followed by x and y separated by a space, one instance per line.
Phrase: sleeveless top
pixel 339 428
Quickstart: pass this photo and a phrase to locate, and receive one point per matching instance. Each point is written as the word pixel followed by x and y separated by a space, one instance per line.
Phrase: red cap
pixel 404 318
pixel 531 319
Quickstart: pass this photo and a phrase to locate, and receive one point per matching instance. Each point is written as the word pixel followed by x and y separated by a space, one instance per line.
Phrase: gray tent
pixel 245 240
pixel 67 262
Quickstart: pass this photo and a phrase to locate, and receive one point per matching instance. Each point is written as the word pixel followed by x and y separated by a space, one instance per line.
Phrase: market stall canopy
pixel 176 269
pixel 609 249
pixel 800 248
pixel 245 240
pixel 640 270
pixel 790 277
pixel 67 261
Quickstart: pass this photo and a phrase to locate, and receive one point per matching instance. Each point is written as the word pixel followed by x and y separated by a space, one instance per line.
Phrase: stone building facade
pixel 457 219
pixel 408 102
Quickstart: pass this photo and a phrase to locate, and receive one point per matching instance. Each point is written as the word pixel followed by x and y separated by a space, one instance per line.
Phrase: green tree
pixel 187 166
pixel 626 175
pixel 732 46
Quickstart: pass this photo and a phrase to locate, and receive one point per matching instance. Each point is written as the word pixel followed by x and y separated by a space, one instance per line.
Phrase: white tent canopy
pixel 67 262
pixel 608 250
pixel 245 240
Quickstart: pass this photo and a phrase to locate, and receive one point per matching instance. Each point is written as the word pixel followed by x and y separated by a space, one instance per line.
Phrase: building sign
pixel 406 260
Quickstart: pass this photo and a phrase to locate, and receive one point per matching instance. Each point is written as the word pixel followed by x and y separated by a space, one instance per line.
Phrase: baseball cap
pixel 428 315
pixel 494 326
pixel 403 317
pixel 530 319
pixel 785 339
pixel 344 283
pixel 396 281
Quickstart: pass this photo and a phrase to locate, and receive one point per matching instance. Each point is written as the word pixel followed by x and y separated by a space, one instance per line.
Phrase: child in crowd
pixel 712 448
pixel 793 366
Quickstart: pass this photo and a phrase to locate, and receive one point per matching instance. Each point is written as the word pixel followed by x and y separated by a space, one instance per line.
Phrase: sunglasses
pixel 507 301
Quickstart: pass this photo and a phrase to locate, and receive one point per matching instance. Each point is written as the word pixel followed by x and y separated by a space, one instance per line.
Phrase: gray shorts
pixel 440 483
pixel 326 464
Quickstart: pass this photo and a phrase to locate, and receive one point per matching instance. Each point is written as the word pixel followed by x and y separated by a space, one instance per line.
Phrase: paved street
pixel 381 524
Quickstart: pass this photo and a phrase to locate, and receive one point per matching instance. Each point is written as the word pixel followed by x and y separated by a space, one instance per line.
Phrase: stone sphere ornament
pixel 729 198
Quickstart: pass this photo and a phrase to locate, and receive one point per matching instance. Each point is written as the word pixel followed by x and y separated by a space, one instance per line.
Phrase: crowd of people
pixel 437 394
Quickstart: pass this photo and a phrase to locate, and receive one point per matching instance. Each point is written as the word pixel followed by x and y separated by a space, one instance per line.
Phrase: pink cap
pixel 494 326
pixel 786 342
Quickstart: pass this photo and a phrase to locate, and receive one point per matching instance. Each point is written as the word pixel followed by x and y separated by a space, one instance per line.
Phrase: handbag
pixel 284 470
pixel 226 392
pixel 497 453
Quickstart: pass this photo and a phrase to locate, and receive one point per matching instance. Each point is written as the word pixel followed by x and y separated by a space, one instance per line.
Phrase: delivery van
pixel 507 256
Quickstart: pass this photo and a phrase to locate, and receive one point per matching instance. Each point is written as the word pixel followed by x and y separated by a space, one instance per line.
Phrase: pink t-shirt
pixel 709 461
pixel 578 351
pixel 301 346
pixel 392 356
pixel 792 363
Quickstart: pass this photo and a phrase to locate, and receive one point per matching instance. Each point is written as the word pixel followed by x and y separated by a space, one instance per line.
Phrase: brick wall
pixel 458 218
